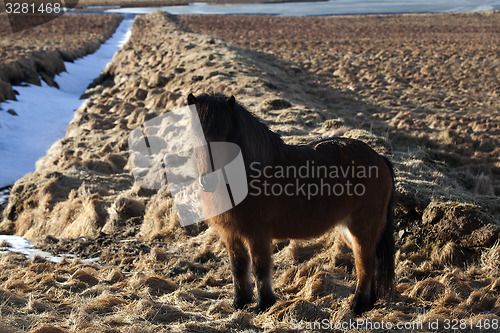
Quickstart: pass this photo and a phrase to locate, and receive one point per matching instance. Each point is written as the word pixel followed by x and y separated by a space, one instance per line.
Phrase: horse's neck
pixel 257 141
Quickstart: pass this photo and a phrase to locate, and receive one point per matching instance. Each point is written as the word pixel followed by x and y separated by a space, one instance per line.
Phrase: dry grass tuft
pixel 449 254
pixel 323 284
pixel 128 207
pixel 450 299
pixel 12 299
pixel 342 254
pixel 159 218
pixel 159 254
pixel 46 328
pixel 496 310
pixel 484 185
pixel 14 283
pixel 104 303
pixel 6 329
pixel 454 283
pixel 40 268
pixel 241 320
pixel 115 276
pixel 158 312
pixel 46 282
pixel 479 302
pixel 37 306
pixel 427 290
pixel 490 260
pixel 423 270
pixel 298 309
pixel 479 321
pixel 292 250
pixel 221 307
pixel 204 254
pixel 435 316
pixel 494 286
pixel 158 286
pixel 86 275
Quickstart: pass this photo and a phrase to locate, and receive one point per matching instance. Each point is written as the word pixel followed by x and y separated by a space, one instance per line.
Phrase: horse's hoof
pixel 240 302
pixel 361 304
pixel 264 303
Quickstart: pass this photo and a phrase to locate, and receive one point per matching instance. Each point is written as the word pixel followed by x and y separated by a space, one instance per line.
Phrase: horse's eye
pixel 209 181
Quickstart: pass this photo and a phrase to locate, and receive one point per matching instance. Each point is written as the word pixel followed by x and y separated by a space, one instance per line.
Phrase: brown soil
pixel 429 76
pixel 157 276
pixel 39 53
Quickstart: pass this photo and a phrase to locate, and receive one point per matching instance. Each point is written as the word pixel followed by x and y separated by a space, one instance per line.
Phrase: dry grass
pixel 490 260
pixel 484 185
pixel 154 276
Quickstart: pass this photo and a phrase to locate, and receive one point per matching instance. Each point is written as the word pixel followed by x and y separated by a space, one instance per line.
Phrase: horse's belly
pixel 305 224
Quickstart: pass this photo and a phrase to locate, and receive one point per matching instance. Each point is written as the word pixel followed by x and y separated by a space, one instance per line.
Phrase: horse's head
pixel 224 120
pixel 217 116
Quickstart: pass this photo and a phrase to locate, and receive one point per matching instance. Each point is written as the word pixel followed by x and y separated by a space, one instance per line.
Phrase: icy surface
pixel 24 246
pixel 332 7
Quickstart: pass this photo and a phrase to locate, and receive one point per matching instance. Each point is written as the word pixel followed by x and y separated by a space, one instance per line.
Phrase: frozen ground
pixel 22 245
pixel 4 194
pixel 332 7
pixel 43 112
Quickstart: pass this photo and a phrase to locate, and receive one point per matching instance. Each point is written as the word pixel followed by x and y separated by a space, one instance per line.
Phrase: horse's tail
pixel 386 248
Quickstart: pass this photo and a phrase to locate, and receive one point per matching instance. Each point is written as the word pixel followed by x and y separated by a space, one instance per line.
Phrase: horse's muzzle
pixel 209 181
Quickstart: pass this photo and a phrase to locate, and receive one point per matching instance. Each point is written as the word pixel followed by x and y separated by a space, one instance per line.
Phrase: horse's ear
pixel 192 100
pixel 231 101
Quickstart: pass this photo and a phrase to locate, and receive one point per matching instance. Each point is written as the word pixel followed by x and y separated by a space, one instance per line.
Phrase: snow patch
pixel 24 246
pixel 43 112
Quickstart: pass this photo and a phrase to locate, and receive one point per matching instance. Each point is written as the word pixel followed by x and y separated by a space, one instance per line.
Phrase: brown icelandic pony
pixel 366 218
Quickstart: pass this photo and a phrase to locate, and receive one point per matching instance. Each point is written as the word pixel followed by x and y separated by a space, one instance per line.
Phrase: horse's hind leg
pixel 240 268
pixel 260 250
pixel 364 254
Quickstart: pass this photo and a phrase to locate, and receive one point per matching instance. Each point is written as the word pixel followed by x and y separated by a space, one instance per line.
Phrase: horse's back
pixel 340 143
pixel 346 150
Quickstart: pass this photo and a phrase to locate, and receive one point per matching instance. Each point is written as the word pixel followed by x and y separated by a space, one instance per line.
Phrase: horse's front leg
pixel 240 268
pixel 260 250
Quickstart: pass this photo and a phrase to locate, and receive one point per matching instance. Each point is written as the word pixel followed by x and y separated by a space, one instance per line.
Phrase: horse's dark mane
pixel 257 142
